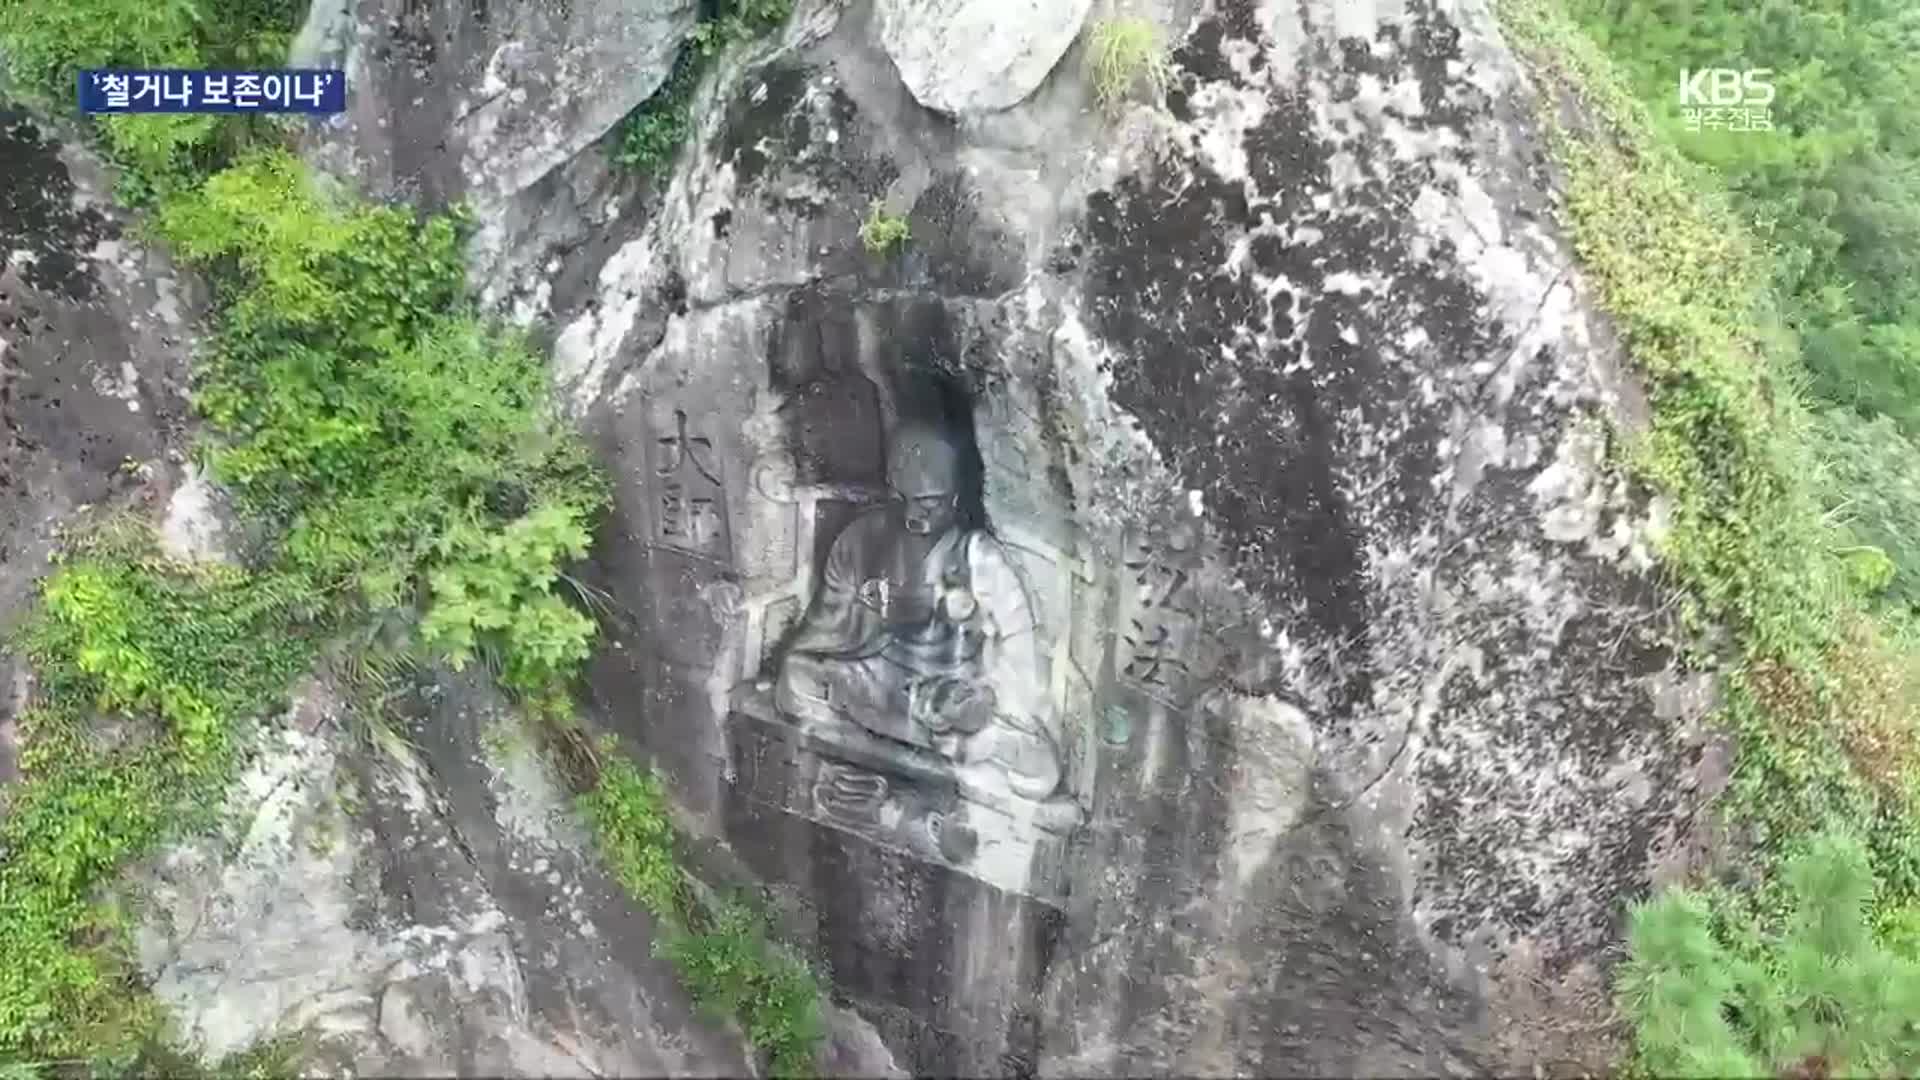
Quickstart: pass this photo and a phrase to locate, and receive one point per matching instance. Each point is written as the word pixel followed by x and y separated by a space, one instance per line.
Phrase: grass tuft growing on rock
pixel 1125 55
pixel 884 232
pixel 722 952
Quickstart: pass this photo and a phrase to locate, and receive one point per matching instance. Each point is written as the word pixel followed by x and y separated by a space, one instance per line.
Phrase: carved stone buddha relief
pixel 916 683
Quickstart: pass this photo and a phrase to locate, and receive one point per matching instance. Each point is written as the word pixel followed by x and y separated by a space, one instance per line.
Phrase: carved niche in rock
pixel 913 691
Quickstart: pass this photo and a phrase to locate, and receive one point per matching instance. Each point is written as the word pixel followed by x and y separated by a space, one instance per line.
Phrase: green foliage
pixel 176 651
pixel 1821 691
pixel 628 812
pixel 1835 189
pixel 1872 483
pixel 398 449
pixel 137 636
pixel 738 21
pixel 1125 54
pixel 494 588
pixel 46 45
pixel 883 232
pixel 723 954
pixel 731 968
pixel 649 139
pixel 1822 990
pixel 401 451
pixel 1813 692
pixel 356 399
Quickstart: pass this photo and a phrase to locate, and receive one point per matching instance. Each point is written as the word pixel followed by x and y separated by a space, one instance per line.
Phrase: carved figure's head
pixel 923 468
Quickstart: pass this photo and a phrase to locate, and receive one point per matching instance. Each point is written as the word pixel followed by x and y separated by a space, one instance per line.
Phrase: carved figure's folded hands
pixel 946 705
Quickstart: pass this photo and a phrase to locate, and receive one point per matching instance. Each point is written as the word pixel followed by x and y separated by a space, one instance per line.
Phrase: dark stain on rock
pixel 1189 327
pixel 1282 162
pixel 762 121
pixel 1595 717
pixel 955 250
pixel 673 292
pixel 832 412
pixel 38 216
pixel 1294 401
pixel 1257 399
pixel 1200 59
pixel 773 125
pixel 1238 18
pixel 1435 44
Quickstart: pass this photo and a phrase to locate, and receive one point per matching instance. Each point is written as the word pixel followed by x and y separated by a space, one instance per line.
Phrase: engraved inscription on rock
pixel 1158 650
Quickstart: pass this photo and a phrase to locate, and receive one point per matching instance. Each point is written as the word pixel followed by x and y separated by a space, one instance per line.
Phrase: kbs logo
pixel 1725 86
pixel 1727 99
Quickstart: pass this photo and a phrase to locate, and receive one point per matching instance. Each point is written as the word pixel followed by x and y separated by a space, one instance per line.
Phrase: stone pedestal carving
pixel 858 783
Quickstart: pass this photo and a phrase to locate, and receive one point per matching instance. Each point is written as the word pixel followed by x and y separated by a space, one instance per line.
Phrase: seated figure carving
pixel 921 632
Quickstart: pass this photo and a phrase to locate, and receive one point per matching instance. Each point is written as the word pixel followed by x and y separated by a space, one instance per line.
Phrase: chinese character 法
pixel 1160 584
pixel 1150 656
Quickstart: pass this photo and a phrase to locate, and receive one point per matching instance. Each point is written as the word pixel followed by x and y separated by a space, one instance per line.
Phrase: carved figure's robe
pixel 876 627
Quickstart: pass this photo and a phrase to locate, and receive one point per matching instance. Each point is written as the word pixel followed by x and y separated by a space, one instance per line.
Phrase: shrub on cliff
pixel 1822 996
pixel 399 456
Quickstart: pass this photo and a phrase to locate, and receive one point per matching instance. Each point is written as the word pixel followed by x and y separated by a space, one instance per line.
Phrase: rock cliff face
pixel 1279 683
pixel 93 352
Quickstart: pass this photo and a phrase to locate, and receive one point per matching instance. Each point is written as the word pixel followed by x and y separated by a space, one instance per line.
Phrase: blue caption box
pixel 154 90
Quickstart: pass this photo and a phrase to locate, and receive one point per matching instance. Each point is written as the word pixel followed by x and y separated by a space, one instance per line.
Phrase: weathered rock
pixel 423 906
pixel 961 56
pixel 92 362
pixel 482 98
pixel 197 521
pixel 1279 404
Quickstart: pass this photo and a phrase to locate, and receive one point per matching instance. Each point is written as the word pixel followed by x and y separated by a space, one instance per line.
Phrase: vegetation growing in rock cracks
pixel 178 654
pixel 722 952
pixel 401 453
pixel 1729 295
pixel 407 478
pixel 649 138
pixel 1124 55
pixel 883 232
